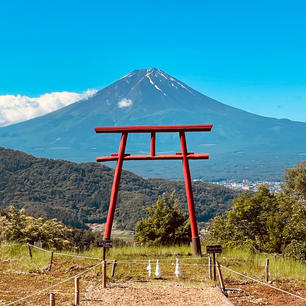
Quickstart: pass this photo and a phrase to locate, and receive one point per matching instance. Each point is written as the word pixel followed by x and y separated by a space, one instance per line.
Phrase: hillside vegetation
pixel 79 193
pixel 267 222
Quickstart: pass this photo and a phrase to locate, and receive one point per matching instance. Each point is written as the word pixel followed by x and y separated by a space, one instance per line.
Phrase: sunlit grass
pixel 16 257
pixel 280 268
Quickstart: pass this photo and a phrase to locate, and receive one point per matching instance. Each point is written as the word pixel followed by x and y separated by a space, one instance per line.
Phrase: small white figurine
pixel 178 271
pixel 149 268
pixel 157 270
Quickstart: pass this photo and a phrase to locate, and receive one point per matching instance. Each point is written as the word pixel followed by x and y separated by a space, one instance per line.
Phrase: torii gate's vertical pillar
pixel 192 216
pixel 115 188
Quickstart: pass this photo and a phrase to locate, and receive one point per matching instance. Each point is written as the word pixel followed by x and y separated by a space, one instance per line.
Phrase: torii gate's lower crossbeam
pixel 183 155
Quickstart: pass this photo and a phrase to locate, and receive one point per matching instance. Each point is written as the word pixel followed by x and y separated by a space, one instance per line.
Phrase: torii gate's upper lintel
pixel 184 155
pixel 155 128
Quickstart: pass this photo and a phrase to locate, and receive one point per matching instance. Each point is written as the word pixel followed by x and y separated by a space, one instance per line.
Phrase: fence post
pixel 267 270
pixel 51 262
pixel 52 299
pixel 209 267
pixel 214 267
pixel 76 291
pixel 221 279
pixel 30 251
pixel 104 268
pixel 114 267
pixel 104 274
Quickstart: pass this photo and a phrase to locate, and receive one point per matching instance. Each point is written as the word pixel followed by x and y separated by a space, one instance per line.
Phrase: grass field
pixel 20 275
pixel 280 268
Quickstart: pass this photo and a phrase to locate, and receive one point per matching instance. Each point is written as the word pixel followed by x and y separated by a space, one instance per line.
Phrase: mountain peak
pixel 144 72
pixel 148 70
pixel 159 82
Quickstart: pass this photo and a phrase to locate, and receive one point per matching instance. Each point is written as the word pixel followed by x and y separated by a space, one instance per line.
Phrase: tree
pixel 16 225
pixel 255 218
pixel 166 224
pixel 265 221
pixel 295 182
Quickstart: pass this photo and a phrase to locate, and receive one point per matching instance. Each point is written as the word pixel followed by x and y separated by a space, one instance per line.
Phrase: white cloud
pixel 14 109
pixel 125 103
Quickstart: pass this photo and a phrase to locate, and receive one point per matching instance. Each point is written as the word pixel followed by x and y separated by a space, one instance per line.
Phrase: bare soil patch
pixel 254 294
pixel 155 294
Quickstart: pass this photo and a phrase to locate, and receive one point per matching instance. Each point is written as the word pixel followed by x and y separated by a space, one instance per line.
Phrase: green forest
pixel 79 193
pixel 267 222
pixel 16 225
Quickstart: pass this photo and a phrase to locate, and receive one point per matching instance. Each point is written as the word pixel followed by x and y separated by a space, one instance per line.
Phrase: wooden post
pixel 114 267
pixel 209 267
pixel 52 299
pixel 104 274
pixel 222 286
pixel 104 268
pixel 30 251
pixel 76 291
pixel 214 267
pixel 51 262
pixel 267 270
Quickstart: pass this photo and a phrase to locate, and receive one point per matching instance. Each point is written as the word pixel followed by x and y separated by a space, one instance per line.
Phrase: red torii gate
pixel 184 156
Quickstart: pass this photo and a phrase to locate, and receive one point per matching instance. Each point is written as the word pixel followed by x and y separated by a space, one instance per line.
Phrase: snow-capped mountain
pixel 240 143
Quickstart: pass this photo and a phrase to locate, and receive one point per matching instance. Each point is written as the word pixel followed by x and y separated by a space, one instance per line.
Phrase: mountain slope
pixel 79 193
pixel 148 97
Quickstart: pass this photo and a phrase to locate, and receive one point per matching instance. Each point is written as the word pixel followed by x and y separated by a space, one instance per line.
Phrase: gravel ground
pixel 155 295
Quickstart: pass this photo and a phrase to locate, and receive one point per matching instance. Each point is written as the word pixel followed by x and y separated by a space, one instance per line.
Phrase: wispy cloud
pixel 125 103
pixel 14 109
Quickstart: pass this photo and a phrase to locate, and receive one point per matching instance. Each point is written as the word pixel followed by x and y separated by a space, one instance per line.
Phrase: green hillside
pixel 79 193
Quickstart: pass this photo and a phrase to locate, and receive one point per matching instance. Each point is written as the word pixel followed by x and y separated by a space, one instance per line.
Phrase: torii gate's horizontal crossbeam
pixel 114 157
pixel 154 128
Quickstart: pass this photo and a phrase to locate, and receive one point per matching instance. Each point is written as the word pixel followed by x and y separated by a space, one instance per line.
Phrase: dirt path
pixel 253 294
pixel 151 294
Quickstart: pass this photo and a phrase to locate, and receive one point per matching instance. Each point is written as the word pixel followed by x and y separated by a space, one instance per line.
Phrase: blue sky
pixel 248 54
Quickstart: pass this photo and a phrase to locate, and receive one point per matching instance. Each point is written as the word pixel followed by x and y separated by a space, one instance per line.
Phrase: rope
pixel 263 283
pixel 50 287
pixel 63 254
pixel 153 259
pixel 122 261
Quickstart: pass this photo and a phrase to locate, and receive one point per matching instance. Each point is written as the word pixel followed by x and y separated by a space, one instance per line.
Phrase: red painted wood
pixel 184 156
pixel 152 148
pixel 115 187
pixel 176 156
pixel 154 128
pixel 188 186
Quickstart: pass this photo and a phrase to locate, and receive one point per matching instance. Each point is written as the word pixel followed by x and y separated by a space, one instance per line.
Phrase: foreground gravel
pixel 155 294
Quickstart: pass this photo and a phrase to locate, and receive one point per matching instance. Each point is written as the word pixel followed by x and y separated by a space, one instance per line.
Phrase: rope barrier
pixel 63 254
pixel 263 283
pixel 122 261
pixel 144 262
pixel 50 287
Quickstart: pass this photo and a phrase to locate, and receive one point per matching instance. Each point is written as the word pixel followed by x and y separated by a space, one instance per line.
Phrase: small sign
pixel 213 249
pixel 106 243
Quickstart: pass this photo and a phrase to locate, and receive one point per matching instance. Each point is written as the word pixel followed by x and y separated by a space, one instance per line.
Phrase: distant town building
pixel 275 187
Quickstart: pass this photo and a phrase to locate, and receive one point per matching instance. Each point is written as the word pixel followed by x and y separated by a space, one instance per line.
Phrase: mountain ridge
pixel 79 193
pixel 152 97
